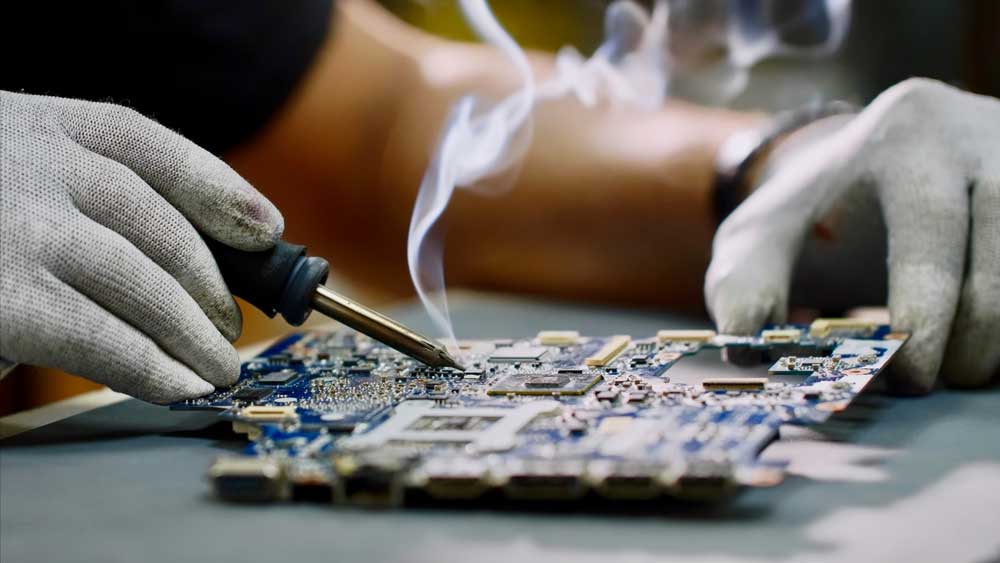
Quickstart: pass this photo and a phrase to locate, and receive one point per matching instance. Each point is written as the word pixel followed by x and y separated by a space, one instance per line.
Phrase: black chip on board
pixel 282 377
pixel 251 394
pixel 546 381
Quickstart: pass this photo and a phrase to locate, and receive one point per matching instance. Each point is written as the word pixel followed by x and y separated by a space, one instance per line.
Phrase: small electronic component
pixel 268 413
pixel 517 354
pixel 558 337
pixel 791 365
pixel 734 383
pixel 251 394
pixel 824 328
pixel 781 336
pixel 283 377
pixel 611 349
pixel 702 336
pixel 555 417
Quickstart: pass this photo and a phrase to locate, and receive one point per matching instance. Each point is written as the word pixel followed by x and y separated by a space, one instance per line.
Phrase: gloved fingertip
pixel 194 391
pixel 230 330
pixel 179 390
pixel 744 320
pixel 910 379
pixel 739 308
pixel 254 223
pixel 222 365
pixel 226 316
pixel 199 388
pixel 226 206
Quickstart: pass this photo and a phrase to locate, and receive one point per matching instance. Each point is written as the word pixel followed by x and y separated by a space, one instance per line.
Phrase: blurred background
pixel 957 41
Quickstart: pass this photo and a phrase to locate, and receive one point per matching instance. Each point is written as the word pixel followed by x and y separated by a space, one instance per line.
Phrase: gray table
pixel 915 480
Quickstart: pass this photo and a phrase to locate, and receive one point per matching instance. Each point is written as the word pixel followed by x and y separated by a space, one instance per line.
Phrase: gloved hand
pixel 920 168
pixel 102 272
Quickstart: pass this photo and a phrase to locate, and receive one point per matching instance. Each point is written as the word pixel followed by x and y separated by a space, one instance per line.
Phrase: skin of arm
pixel 608 204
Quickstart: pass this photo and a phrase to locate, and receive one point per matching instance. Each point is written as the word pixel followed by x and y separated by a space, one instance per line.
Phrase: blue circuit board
pixel 558 417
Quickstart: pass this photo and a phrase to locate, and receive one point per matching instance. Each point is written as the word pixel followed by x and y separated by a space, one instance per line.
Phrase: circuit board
pixel 338 417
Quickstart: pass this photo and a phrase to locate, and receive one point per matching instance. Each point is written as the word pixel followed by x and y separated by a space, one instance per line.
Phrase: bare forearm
pixel 607 204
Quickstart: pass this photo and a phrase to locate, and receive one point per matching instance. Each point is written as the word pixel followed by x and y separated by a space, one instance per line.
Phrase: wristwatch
pixel 740 151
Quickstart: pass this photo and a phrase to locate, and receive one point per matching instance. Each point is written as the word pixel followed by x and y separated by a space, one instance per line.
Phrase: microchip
pixel 544 384
pixel 547 381
pixel 282 377
pixel 517 354
pixel 251 394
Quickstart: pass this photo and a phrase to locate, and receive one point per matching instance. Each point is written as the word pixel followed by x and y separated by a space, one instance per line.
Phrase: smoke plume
pixel 631 68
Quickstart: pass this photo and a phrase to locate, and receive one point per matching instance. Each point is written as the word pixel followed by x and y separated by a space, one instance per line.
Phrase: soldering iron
pixel 284 280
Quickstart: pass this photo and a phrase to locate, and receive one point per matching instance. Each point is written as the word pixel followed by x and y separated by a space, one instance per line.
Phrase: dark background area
pixel 957 41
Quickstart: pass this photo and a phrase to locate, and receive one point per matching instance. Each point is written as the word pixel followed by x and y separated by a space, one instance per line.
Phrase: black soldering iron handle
pixel 281 279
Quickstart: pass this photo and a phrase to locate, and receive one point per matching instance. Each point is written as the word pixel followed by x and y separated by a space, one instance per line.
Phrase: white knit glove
pixel 919 167
pixel 102 273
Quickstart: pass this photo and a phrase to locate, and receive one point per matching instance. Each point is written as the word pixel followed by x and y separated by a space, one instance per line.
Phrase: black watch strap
pixel 741 150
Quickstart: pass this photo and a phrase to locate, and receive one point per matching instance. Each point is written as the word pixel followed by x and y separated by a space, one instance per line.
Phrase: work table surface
pixel 889 480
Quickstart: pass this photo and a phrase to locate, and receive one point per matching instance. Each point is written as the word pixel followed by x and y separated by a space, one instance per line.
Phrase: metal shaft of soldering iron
pixel 381 328
pixel 283 280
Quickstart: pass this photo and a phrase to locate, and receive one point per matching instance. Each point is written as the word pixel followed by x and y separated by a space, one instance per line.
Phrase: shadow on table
pixel 127 420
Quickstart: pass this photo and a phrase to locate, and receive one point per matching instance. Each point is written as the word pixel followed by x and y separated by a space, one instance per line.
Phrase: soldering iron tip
pixel 448 361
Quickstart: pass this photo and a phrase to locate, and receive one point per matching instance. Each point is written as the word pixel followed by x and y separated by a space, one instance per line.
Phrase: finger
pixel 111 271
pixel 757 246
pixel 926 212
pixel 746 285
pixel 114 196
pixel 972 358
pixel 206 190
pixel 75 334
